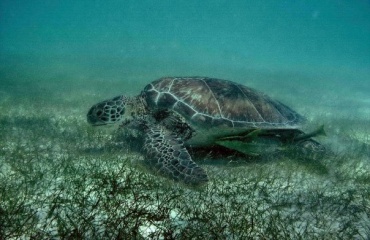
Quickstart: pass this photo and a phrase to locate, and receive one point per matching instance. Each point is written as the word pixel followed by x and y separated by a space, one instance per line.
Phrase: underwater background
pixel 61 178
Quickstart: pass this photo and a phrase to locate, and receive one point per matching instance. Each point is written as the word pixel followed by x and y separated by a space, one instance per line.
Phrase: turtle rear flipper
pixel 167 155
pixel 309 149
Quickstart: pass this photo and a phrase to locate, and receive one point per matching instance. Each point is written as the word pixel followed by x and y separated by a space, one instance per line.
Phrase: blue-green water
pixel 245 41
pixel 262 35
pixel 57 58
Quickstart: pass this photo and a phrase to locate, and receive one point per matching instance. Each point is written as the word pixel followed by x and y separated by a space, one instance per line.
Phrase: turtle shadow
pixel 221 156
pixel 218 156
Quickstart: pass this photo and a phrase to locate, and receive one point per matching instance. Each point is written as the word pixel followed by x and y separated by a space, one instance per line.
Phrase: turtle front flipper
pixel 167 155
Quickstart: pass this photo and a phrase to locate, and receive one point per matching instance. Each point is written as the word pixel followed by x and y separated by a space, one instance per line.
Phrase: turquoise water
pixel 245 41
pixel 262 35
pixel 57 58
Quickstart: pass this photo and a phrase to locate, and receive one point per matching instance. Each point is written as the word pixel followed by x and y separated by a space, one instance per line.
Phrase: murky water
pixel 57 58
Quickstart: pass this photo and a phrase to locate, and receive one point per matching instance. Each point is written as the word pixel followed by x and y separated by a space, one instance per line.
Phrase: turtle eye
pixel 99 113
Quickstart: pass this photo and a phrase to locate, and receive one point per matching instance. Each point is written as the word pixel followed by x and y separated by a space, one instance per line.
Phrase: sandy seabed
pixel 61 178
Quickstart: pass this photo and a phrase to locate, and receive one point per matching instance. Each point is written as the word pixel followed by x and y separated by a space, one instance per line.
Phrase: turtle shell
pixel 215 102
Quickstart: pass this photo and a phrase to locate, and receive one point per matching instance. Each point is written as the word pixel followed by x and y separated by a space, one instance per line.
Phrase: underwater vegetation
pixel 60 178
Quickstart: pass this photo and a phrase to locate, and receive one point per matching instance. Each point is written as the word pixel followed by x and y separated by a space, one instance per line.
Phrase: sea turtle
pixel 175 113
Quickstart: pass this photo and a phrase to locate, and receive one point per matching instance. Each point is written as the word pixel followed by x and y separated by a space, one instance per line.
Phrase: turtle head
pixel 108 112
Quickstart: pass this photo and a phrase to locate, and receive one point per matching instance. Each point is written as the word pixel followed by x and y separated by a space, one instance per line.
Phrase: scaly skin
pixel 201 111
